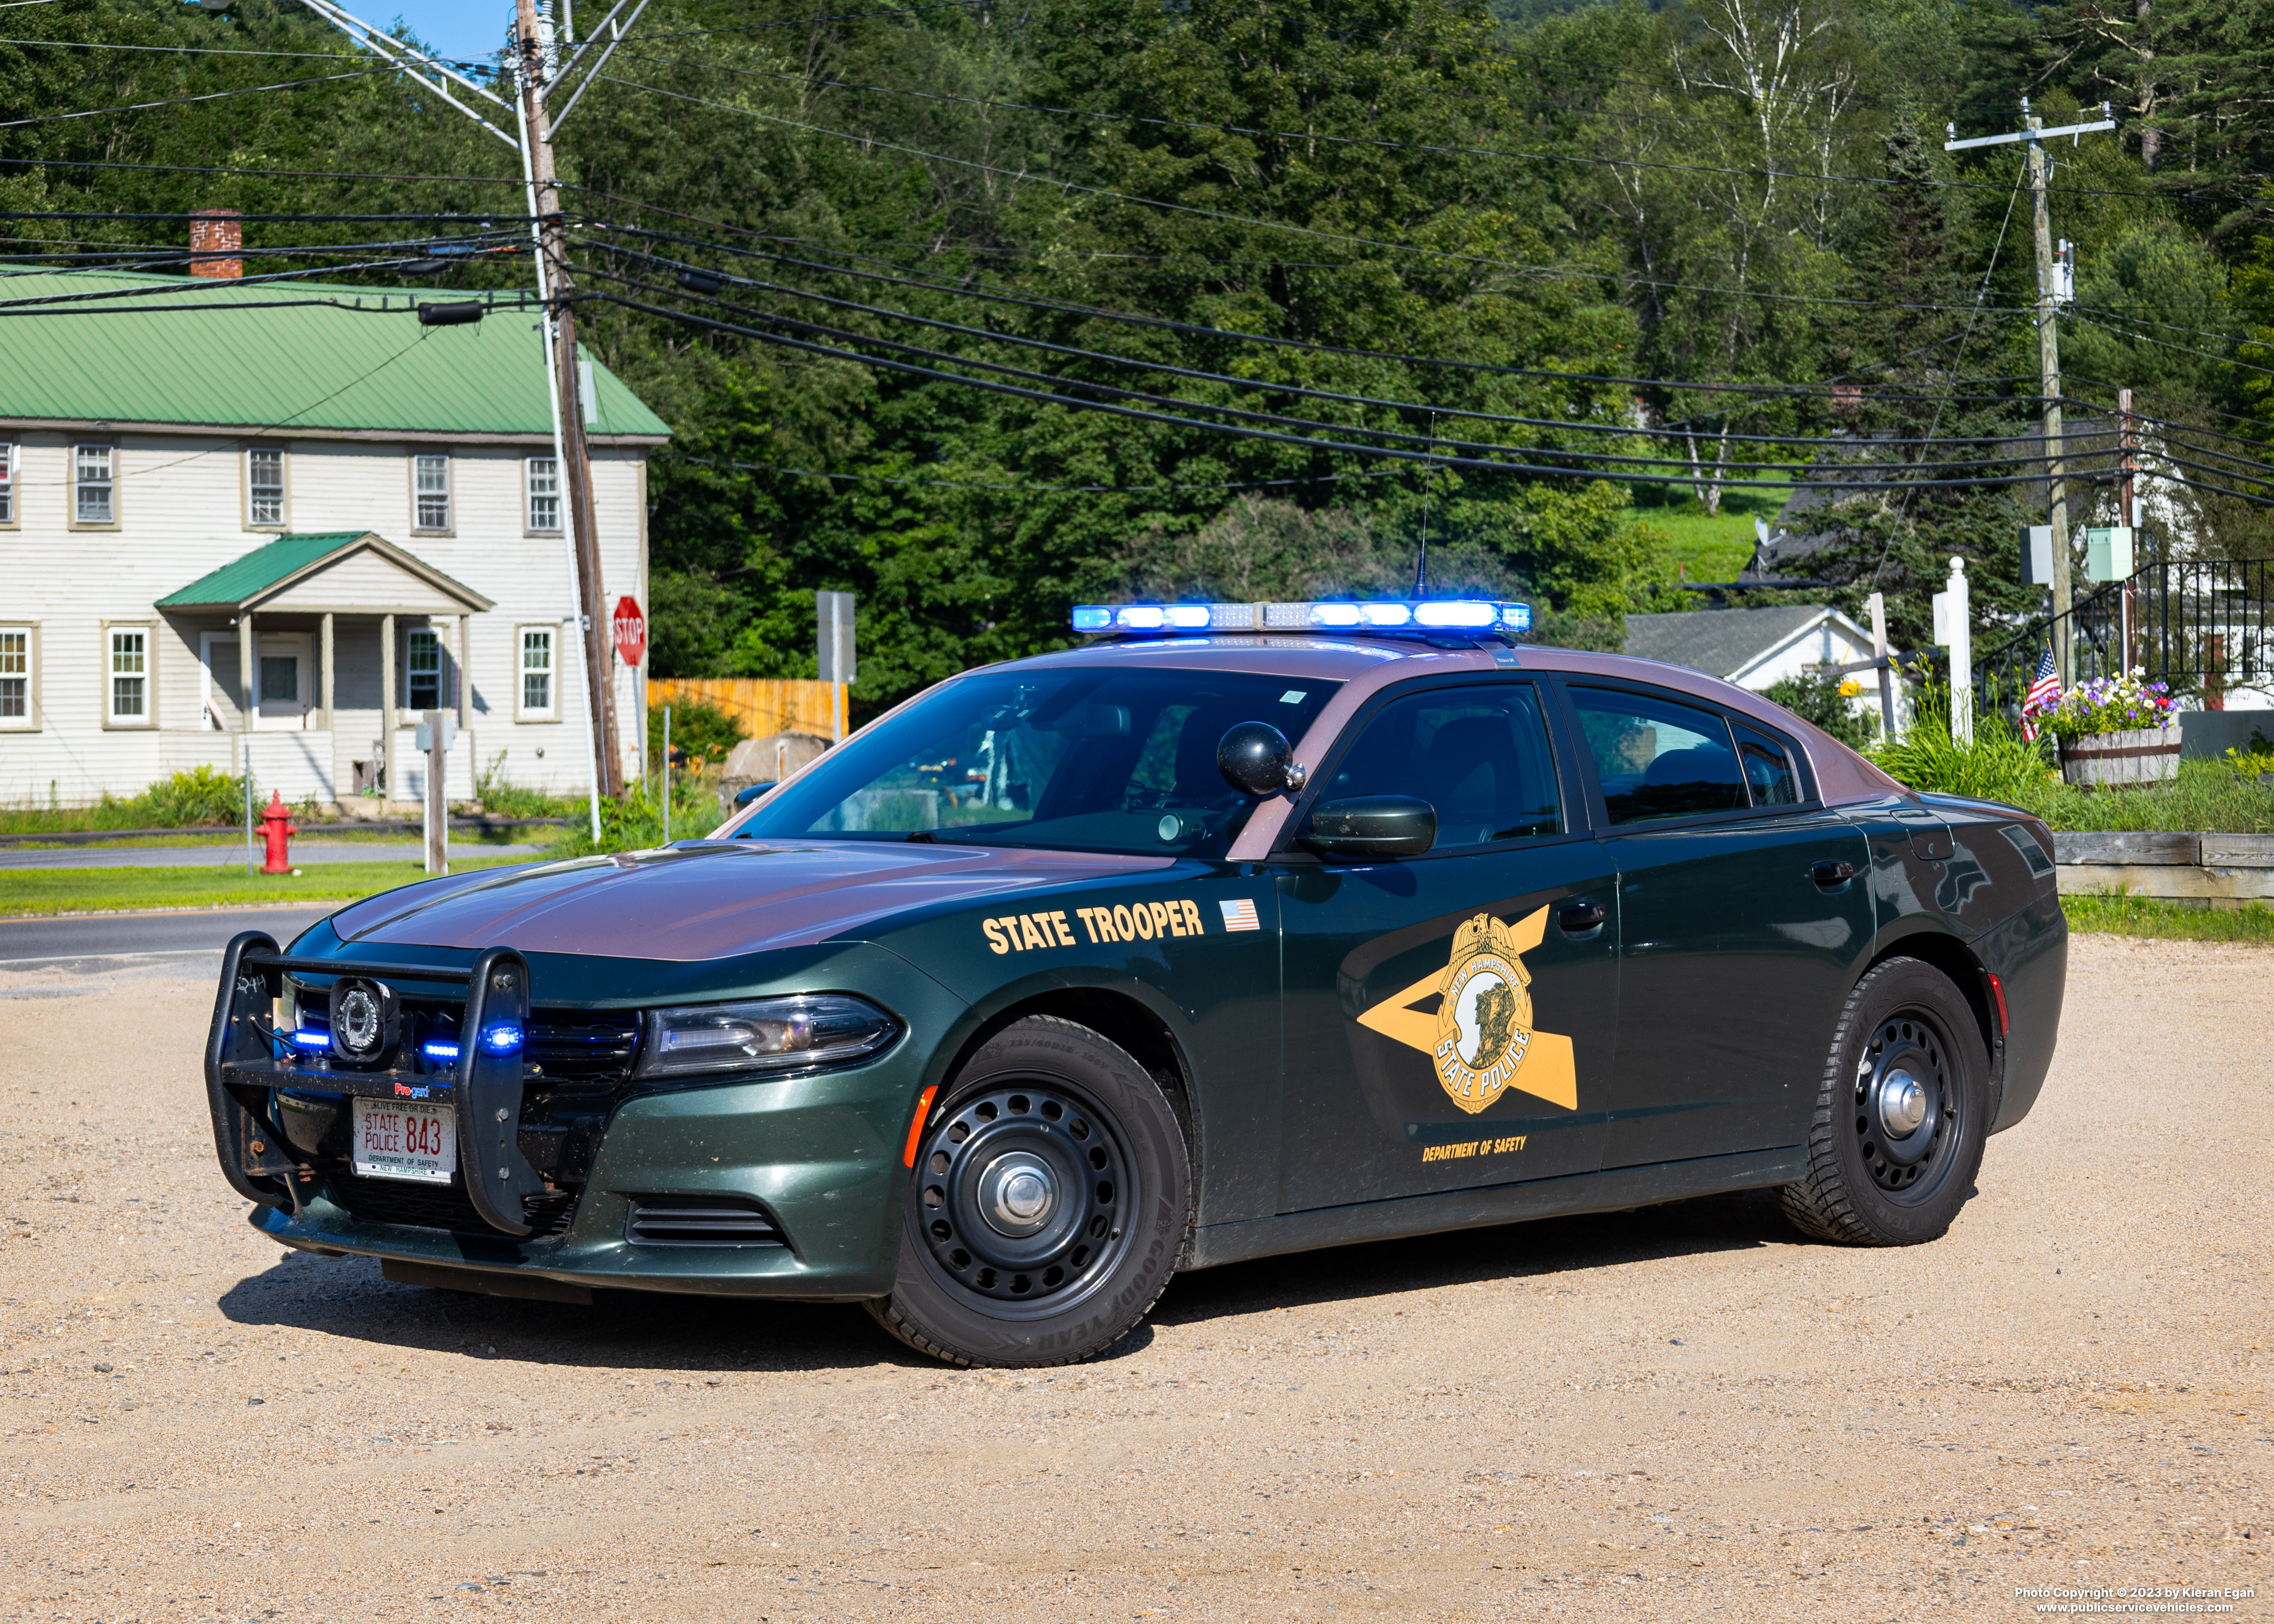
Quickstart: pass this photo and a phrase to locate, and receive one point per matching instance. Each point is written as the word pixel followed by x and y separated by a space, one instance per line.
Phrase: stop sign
pixel 631 631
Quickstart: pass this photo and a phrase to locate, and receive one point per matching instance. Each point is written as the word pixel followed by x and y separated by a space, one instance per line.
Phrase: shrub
pixel 506 799
pixel 634 821
pixel 200 795
pixel 1998 765
pixel 1822 698
pixel 700 734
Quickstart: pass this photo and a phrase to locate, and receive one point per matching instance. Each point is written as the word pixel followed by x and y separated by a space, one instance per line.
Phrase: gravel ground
pixel 1679 1411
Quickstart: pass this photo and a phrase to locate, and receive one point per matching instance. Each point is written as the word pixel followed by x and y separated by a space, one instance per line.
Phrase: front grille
pixel 583 1045
pixel 699 1221
pixel 443 1207
pixel 568 1046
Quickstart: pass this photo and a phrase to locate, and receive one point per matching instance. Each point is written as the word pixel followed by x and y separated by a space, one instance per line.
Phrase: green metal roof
pixel 185 350
pixel 243 579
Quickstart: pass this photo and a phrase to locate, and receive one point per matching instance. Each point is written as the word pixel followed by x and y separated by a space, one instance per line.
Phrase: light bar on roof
pixel 1412 616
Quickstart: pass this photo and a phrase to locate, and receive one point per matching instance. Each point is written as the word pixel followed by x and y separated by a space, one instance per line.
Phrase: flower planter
pixel 2136 755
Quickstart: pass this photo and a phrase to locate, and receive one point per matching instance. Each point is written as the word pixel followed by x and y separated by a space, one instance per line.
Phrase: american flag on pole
pixel 2044 694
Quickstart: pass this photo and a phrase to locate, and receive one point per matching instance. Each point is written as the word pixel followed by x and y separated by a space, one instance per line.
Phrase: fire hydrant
pixel 277 827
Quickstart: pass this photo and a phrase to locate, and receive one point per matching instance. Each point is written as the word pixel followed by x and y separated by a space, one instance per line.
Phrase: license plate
pixel 397 1138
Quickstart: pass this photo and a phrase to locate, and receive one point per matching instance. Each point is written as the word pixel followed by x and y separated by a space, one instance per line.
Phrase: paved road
pixel 232 856
pixel 100 941
pixel 1680 1413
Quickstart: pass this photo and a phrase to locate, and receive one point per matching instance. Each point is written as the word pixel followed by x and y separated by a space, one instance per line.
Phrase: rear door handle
pixel 1833 873
pixel 1582 917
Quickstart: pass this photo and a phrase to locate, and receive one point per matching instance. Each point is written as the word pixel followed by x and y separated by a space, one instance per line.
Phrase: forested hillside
pixel 973 308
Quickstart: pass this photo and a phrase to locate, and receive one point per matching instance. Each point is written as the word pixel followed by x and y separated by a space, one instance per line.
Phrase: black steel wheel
pixel 1050 1200
pixel 1901 1115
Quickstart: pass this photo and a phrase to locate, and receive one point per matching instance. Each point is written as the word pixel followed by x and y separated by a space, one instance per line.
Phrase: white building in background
pixel 1757 648
pixel 183 459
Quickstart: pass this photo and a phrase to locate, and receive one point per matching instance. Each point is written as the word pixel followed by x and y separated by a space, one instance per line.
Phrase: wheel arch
pixel 1118 1016
pixel 1962 968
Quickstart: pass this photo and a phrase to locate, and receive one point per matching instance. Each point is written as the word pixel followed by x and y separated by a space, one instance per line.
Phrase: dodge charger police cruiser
pixel 1239 929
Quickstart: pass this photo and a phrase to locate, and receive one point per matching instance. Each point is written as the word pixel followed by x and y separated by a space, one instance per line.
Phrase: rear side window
pixel 1770 775
pixel 1478 754
pixel 1658 758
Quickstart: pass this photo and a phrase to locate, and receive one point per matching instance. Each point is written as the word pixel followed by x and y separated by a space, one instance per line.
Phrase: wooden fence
pixel 763 705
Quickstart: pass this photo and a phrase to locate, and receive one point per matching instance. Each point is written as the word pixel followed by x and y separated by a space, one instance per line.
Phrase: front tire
pixel 1901 1116
pixel 1051 1202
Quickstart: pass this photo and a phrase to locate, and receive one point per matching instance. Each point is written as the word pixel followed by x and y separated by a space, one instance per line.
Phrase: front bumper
pixel 818 1155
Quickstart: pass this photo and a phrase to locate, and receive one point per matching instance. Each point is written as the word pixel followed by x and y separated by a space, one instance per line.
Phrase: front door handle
pixel 1582 917
pixel 1833 873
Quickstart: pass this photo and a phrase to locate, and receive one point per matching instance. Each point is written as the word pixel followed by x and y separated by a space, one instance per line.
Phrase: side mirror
pixel 749 793
pixel 1372 826
pixel 1256 759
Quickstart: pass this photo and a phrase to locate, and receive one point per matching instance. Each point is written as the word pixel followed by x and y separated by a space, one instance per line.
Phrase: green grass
pixel 2145 916
pixel 1709 546
pixel 27 891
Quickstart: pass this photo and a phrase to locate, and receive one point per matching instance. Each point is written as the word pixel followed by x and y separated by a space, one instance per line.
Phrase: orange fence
pixel 763 705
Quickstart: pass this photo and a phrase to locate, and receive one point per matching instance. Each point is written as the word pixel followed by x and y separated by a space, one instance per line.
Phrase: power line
pixel 210 95
pixel 960 484
pixel 215 169
pixel 1264 385
pixel 2166 343
pixel 1309 345
pixel 1431 458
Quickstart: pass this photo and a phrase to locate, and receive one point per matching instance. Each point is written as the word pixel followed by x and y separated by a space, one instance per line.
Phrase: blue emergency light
pixel 1476 615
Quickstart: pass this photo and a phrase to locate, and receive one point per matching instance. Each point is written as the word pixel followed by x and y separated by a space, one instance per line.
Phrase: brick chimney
pixel 216 232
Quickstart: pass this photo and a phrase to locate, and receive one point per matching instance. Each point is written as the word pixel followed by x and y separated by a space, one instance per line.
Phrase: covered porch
pixel 317 654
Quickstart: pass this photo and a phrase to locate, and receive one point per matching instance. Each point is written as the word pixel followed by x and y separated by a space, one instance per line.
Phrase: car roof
pixel 1365 664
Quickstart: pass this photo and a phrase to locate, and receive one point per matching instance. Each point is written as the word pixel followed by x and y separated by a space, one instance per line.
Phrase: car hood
pixel 710 899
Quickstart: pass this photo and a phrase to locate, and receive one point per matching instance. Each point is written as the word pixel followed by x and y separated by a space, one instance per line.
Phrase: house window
pixel 264 484
pixel 7 482
pixel 15 676
pixel 544 494
pixel 130 675
pixel 422 669
pixel 91 472
pixel 536 671
pixel 279 680
pixel 430 485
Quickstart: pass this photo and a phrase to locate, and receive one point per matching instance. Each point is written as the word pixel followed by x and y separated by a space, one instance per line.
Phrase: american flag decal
pixel 1239 915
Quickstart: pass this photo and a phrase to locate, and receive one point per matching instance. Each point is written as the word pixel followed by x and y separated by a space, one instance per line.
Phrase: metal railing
pixel 2201 626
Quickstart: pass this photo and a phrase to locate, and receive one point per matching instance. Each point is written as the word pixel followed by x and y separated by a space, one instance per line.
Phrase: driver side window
pixel 1478 754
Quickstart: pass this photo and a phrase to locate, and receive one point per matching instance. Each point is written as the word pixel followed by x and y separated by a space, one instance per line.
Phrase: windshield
pixel 1082 759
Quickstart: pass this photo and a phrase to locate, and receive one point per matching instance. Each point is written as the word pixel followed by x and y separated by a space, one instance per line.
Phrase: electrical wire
pixel 1264 385
pixel 1434 459
pixel 961 485
pixel 1311 346
pixel 2166 343
pixel 210 95
pixel 1659 462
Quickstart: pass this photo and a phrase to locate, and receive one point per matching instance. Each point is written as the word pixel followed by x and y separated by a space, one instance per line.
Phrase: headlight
pixel 799 1034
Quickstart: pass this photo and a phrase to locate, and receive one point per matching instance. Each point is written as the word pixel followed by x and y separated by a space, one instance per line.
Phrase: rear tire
pixel 1901 1116
pixel 1051 1199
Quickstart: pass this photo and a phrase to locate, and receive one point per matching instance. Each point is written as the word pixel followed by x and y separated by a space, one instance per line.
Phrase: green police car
pixel 1243 929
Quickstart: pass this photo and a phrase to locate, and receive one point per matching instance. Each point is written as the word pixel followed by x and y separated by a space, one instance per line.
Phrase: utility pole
pixel 573 454
pixel 2051 296
pixel 536 74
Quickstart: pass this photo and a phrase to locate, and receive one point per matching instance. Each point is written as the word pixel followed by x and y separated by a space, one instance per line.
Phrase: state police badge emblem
pixel 1484 1014
pixel 1481 1041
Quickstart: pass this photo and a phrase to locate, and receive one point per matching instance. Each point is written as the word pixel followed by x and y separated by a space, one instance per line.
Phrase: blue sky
pixel 455 28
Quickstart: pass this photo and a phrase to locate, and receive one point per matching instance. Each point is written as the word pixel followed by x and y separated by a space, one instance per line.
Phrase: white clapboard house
pixel 375 502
